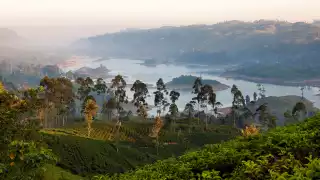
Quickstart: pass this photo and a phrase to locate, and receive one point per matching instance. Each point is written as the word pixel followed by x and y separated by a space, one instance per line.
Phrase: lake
pixel 134 70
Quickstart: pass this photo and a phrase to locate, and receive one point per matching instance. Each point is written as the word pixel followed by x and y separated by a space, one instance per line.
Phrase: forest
pixel 43 138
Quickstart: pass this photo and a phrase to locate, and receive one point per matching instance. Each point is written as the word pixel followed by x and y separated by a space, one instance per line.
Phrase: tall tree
pixel 118 84
pixel 159 97
pixel 197 92
pixel 108 107
pixel 255 96
pixel 207 97
pixel 262 91
pixel 237 104
pixel 85 87
pixel 173 109
pixel 302 92
pixel 248 100
pixel 141 92
pixel 189 108
pixel 90 111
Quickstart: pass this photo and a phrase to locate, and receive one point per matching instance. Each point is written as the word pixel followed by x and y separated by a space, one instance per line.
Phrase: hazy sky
pixel 151 12
pixel 66 20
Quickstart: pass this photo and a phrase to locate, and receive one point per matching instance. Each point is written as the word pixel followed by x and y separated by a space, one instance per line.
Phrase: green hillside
pixel 289 152
pixel 97 155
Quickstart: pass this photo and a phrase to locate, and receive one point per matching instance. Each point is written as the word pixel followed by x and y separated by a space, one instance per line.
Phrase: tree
pixel 247 99
pixel 118 84
pixel 189 108
pixel 299 110
pixel 141 92
pixel 207 97
pixel 159 99
pixel 108 107
pixel 100 86
pixel 86 86
pixel 265 118
pixel 196 91
pixel 255 95
pixel 58 96
pixel 173 109
pixel 158 124
pixel 90 111
pixel 261 90
pixel 237 104
pixel 302 93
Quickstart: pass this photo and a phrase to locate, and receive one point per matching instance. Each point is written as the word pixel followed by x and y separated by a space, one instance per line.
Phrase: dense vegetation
pixel 290 152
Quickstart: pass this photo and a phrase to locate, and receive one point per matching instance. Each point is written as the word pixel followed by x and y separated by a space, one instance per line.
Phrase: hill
pixel 290 152
pixel 279 105
pixel 230 41
pixel 186 82
pixel 9 37
pixel 270 50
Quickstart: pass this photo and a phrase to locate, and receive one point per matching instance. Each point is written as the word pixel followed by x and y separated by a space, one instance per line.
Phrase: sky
pixel 112 15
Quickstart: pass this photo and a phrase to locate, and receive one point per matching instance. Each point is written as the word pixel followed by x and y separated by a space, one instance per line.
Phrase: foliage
pixel 90 111
pixel 249 131
pixel 284 153
pixel 118 85
pixel 25 161
pixel 139 97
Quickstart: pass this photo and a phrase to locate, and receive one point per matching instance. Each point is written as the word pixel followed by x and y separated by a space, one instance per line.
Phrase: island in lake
pixel 185 82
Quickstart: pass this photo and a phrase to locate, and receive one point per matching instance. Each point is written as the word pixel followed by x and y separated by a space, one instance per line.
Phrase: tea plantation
pixel 290 152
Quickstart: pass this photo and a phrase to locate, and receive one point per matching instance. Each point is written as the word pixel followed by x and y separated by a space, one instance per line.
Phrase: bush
pixel 290 152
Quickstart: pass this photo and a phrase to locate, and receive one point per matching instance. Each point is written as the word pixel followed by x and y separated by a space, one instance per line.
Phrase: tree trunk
pixel 198 113
pixel 234 119
pixel 206 118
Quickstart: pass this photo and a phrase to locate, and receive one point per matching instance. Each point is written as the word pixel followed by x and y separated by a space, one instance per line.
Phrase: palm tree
pixel 90 111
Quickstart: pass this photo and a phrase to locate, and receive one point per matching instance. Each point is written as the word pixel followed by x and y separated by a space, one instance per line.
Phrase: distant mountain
pixel 227 42
pixel 9 37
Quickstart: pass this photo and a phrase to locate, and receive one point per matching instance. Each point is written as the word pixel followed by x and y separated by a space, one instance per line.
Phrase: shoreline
pixel 281 82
